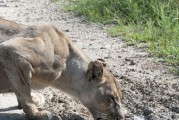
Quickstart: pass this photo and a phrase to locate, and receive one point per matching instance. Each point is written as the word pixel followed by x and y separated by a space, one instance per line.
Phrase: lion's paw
pixel 45 115
pixel 38 99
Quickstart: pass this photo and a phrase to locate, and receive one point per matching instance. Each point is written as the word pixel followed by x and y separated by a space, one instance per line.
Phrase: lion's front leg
pixel 19 75
pixel 37 98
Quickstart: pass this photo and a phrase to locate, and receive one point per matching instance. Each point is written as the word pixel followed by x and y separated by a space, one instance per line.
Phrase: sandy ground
pixel 149 91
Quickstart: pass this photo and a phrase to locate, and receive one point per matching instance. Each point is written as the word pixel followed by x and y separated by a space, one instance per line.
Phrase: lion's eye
pixel 93 77
pixel 112 98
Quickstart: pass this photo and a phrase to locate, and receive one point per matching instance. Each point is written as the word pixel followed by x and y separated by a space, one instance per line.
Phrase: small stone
pixel 132 62
pixel 147 111
pixel 66 30
pixel 102 48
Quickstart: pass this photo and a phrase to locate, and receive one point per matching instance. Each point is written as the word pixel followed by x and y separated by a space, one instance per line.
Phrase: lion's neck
pixel 73 78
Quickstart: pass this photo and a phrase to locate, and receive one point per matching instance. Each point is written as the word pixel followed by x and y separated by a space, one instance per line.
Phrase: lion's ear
pixel 102 61
pixel 95 71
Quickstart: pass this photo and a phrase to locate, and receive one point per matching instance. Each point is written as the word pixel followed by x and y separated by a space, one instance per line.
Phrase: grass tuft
pixel 154 22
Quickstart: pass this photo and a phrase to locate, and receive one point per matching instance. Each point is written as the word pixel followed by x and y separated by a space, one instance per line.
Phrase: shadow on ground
pixel 72 117
pixel 12 116
pixel 5 115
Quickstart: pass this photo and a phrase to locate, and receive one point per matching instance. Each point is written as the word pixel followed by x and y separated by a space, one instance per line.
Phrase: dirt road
pixel 149 91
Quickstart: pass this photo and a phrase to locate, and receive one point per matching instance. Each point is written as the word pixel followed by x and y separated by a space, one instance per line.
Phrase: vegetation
pixel 153 22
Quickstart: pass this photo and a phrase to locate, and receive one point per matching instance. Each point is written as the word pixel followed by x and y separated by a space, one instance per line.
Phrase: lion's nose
pixel 117 118
pixel 121 117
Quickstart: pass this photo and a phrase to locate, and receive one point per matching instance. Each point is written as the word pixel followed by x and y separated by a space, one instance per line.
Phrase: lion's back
pixel 9 29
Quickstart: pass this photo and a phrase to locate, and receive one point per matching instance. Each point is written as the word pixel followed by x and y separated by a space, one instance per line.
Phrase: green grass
pixel 154 22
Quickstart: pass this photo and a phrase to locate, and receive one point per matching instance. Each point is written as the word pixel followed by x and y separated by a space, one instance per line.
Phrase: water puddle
pixel 139 117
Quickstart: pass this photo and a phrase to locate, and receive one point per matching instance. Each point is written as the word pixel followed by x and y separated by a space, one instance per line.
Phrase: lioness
pixel 41 56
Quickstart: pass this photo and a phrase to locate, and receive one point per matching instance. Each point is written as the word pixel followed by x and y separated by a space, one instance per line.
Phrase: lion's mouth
pixel 99 118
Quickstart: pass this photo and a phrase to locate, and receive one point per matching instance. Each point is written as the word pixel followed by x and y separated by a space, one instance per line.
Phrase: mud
pixel 150 92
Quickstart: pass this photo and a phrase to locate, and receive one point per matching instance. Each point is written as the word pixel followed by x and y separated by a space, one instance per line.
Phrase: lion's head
pixel 103 96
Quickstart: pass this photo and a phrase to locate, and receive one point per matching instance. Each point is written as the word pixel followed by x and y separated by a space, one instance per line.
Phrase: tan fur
pixel 41 56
